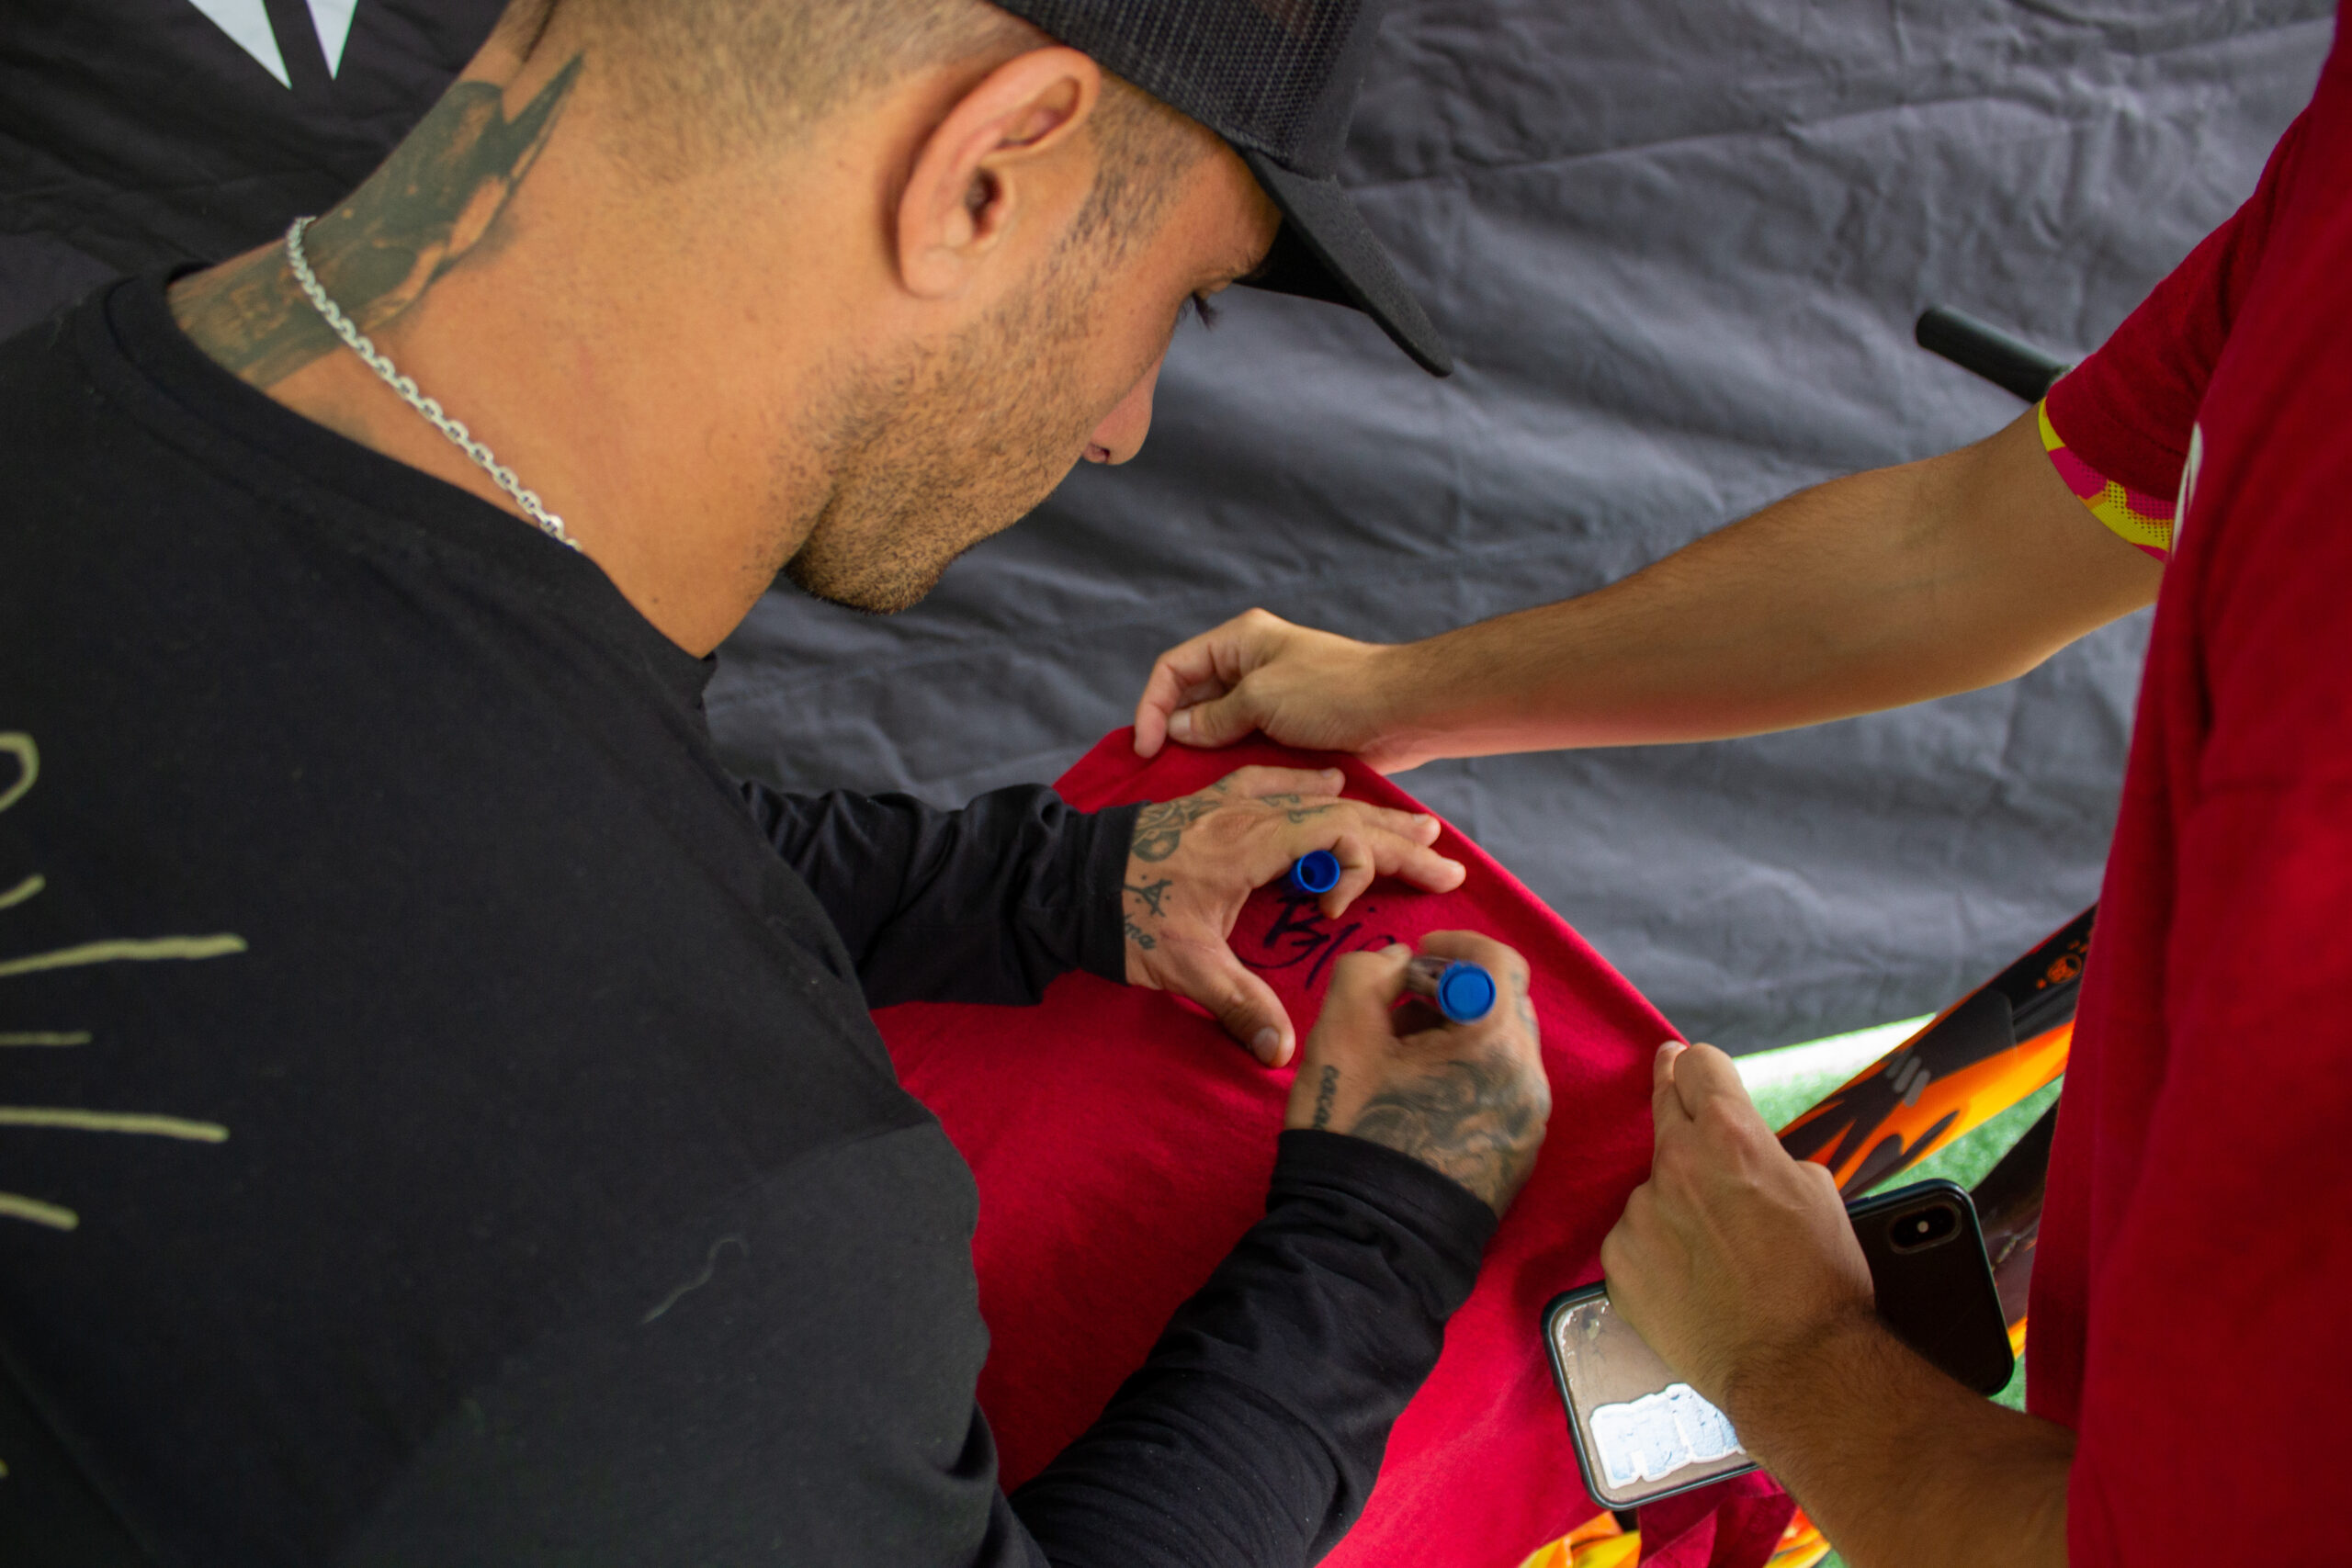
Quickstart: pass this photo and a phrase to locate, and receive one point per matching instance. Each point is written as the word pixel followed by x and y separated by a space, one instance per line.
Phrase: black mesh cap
pixel 1278 80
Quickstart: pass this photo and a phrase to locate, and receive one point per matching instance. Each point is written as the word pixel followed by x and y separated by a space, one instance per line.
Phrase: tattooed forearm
pixel 1160 828
pixel 1476 1122
pixel 1325 1092
pixel 418 216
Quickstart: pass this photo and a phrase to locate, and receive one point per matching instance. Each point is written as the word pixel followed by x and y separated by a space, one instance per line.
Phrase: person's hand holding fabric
pixel 1311 688
pixel 1732 1255
pixel 1194 860
pixel 1467 1099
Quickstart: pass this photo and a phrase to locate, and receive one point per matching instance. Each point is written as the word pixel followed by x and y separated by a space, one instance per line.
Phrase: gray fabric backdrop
pixel 1678 246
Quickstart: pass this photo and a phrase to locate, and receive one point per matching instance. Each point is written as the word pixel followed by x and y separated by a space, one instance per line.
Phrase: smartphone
pixel 1640 1434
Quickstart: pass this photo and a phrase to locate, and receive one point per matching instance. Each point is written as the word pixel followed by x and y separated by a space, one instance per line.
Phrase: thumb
pixel 1667 1106
pixel 1220 722
pixel 1251 1013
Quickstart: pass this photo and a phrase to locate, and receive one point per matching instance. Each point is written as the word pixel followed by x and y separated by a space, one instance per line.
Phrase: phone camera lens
pixel 1931 1225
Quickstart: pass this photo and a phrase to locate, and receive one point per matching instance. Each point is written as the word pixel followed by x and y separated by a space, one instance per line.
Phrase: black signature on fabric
pixel 1301 934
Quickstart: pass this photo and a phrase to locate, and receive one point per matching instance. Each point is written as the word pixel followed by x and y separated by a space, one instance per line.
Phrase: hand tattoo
pixel 1325 1092
pixel 1292 808
pixel 1160 828
pixel 1153 894
pixel 424 211
pixel 1473 1120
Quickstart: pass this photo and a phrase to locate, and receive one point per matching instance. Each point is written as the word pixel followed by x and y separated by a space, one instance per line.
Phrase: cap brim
pixel 1325 251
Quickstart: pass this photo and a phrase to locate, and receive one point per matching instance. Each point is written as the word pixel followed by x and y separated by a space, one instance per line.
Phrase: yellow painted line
pixel 75 1121
pixel 46 1037
pixel 22 891
pixel 15 1206
pixel 135 949
pixel 19 745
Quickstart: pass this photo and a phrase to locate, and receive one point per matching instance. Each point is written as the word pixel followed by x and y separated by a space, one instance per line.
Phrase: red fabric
pixel 1730 1524
pixel 1121 1144
pixel 2194 1267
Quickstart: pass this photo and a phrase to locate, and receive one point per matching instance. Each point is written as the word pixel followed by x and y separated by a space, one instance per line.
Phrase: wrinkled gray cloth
pixel 1679 247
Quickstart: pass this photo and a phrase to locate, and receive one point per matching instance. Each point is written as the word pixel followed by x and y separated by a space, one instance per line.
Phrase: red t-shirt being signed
pixel 1120 1145
pixel 2193 1274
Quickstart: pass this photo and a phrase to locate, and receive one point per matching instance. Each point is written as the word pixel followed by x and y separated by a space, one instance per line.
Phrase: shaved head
pixel 702 82
pixel 717 79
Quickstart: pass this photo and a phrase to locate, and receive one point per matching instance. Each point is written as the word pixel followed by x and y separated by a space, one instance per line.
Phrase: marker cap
pixel 1315 872
pixel 1465 992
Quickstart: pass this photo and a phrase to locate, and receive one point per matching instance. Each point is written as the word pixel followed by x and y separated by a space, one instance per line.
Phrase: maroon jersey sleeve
pixel 2126 412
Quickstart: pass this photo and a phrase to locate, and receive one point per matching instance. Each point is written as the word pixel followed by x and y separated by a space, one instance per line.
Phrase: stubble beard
pixel 928 457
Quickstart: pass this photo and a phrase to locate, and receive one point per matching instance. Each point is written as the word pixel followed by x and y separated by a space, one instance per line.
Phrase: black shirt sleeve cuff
pixel 1102 941
pixel 1255 1432
pixel 1443 1224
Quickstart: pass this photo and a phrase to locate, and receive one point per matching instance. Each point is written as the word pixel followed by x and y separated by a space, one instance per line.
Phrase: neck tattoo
pixel 380 363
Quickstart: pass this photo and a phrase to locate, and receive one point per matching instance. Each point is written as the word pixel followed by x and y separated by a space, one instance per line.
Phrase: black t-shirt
pixel 439 1116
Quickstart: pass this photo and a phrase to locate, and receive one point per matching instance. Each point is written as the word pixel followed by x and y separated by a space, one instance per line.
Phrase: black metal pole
pixel 2009 362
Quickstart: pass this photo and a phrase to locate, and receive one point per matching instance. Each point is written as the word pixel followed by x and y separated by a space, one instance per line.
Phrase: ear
pixel 1008 146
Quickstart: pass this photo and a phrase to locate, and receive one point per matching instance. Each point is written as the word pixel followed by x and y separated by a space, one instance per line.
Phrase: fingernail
pixel 1180 723
pixel 1268 1043
pixel 1393 948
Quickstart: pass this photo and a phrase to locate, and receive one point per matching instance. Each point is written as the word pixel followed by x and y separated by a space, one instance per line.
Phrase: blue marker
pixel 1315 872
pixel 1463 992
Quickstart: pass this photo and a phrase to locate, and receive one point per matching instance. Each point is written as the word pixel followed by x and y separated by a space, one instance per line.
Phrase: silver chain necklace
pixel 434 415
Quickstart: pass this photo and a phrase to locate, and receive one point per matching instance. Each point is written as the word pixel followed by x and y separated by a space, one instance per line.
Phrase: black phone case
pixel 1940 1301
pixel 1943 1302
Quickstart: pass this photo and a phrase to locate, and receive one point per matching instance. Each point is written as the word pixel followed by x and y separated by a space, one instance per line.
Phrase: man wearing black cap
pixel 448 1127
